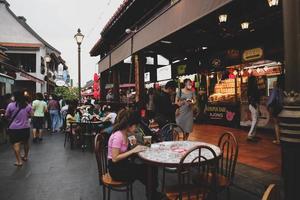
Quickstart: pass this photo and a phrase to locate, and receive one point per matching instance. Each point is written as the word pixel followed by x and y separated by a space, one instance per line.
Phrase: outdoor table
pixel 168 154
pixel 92 125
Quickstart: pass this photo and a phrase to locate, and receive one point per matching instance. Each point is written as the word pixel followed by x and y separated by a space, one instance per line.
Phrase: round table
pixel 169 154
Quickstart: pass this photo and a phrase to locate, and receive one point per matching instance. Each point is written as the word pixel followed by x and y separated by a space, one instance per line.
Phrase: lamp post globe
pixel 79 38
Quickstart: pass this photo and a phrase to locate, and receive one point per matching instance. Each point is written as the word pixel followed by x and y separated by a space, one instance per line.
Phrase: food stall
pixel 223 91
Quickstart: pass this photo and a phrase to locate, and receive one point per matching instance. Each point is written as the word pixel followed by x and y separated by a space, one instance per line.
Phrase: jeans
pixel 254 116
pixel 55 119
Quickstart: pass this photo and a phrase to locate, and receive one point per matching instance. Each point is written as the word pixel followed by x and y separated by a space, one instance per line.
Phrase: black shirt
pixel 164 108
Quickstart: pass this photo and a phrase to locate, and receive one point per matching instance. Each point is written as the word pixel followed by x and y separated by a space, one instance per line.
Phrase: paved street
pixel 56 173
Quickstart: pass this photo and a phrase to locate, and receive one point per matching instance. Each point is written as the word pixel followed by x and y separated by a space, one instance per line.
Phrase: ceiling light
pixel 165 42
pixel 249 71
pixel 245 25
pixel 223 18
pixel 176 61
pixel 266 68
pixel 258 70
pixel 185 59
pixel 204 48
pixel 211 76
pixel 273 3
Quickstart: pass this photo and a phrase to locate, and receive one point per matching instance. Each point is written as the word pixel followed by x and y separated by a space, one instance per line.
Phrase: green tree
pixel 67 93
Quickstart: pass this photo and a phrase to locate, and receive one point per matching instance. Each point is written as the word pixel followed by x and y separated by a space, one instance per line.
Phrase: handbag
pixel 12 120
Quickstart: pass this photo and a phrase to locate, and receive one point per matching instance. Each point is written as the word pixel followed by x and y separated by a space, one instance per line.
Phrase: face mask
pixel 189 87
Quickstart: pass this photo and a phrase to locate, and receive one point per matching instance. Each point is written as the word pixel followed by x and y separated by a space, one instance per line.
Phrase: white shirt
pixel 111 117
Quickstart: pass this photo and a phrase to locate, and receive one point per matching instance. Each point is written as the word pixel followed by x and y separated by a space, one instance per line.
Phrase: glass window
pixel 27 62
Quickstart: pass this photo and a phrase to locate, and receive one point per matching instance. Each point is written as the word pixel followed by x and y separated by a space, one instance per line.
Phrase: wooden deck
pixel 262 155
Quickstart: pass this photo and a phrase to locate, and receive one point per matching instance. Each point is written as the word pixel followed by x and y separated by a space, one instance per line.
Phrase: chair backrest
pixel 230 149
pixel 202 160
pixel 101 154
pixel 172 132
pixel 271 193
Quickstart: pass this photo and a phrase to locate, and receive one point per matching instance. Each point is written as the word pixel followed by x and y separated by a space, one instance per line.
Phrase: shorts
pixel 37 122
pixel 18 135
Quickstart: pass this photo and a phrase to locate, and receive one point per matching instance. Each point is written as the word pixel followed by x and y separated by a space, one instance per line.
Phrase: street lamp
pixel 79 37
pixel 47 59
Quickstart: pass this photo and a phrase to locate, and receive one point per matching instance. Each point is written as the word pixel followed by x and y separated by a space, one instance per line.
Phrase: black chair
pixel 195 161
pixel 170 132
pixel 105 179
pixel 227 163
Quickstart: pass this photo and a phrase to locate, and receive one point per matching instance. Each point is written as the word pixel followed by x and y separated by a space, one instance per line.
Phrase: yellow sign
pixel 253 54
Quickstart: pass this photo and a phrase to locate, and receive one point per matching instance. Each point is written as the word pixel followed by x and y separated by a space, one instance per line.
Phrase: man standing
pixel 164 108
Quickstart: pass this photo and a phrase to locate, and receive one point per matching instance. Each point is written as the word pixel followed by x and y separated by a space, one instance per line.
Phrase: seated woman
pixel 71 118
pixel 110 117
pixel 119 164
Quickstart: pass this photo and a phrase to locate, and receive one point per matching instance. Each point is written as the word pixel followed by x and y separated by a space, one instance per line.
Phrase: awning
pixel 171 20
pixel 6 79
pixel 31 78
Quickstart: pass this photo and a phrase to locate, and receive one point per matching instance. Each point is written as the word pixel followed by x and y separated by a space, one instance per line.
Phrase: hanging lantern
pixel 223 18
pixel 273 3
pixel 249 71
pixel 245 25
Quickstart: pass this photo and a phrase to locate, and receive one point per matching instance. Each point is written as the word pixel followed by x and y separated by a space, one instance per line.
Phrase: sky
pixel 57 21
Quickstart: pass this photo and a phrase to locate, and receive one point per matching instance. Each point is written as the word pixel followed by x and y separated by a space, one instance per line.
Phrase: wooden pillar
pixel 139 70
pixel 290 116
pixel 116 84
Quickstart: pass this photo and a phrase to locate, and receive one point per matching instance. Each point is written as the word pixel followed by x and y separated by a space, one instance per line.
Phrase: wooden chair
pixel 170 132
pixel 104 178
pixel 271 193
pixel 227 163
pixel 206 164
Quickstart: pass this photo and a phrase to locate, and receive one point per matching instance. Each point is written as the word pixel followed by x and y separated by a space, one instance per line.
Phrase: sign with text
pixel 223 114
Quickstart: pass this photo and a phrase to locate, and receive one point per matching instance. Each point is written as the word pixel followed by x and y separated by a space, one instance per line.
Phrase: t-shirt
pixel 116 140
pixel 39 106
pixel 70 119
pixel 111 117
pixel 53 105
pixel 21 120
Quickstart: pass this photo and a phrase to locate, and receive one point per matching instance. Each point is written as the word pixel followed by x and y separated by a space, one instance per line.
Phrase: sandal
pixel 276 142
pixel 24 158
pixel 18 164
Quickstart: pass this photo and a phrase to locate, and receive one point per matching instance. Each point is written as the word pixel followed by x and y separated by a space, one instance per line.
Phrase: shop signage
pixel 233 53
pixel 181 69
pixel 60 82
pixel 253 54
pixel 147 77
pixel 223 114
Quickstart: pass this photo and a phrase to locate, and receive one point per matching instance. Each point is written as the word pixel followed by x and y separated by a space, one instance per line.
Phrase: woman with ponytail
pixel 119 164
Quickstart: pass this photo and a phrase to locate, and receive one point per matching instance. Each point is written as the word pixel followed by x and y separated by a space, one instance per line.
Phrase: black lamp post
pixel 47 60
pixel 79 37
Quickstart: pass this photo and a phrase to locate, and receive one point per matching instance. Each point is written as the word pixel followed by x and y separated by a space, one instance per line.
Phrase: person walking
pixel 185 98
pixel 275 105
pixel 253 100
pixel 18 114
pixel 39 107
pixel 54 110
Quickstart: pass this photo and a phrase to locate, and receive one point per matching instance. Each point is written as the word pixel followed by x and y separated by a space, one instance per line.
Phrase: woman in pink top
pixel 121 168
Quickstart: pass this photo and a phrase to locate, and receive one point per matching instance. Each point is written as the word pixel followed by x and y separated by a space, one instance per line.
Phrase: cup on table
pixel 132 140
pixel 147 141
